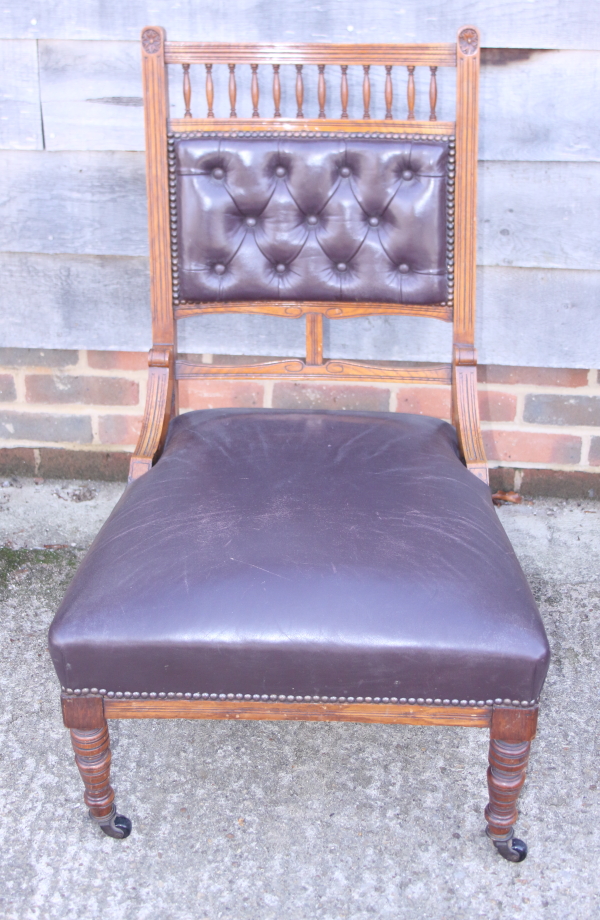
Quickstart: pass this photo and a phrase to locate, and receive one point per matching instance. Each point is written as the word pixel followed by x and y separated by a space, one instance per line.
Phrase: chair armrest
pixel 157 412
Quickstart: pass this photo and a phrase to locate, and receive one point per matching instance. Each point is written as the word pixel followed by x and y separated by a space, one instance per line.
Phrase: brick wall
pixel 538 423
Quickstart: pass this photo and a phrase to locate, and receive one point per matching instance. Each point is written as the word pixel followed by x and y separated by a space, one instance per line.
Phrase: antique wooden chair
pixel 273 564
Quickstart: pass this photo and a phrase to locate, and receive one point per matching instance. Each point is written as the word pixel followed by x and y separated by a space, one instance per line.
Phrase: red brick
pixel 37 357
pixel 7 388
pixel 120 429
pixel 216 394
pixel 552 409
pixel 523 447
pixel 502 478
pixel 17 461
pixel 426 400
pixel 93 391
pixel 536 376
pixel 497 407
pixel 595 452
pixel 61 463
pixel 118 360
pixel 560 484
pixel 357 397
pixel 39 427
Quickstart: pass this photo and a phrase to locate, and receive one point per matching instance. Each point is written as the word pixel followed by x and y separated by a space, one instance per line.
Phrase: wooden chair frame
pixel 512 723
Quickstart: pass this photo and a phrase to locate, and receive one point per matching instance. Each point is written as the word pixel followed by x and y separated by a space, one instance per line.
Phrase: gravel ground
pixel 272 820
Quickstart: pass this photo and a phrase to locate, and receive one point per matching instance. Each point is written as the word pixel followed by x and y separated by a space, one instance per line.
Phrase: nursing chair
pixel 307 565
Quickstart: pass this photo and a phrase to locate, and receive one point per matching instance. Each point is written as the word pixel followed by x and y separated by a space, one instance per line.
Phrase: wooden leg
pixel 92 756
pixel 506 775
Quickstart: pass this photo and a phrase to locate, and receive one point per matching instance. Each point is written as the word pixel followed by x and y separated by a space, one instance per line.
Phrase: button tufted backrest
pixel 317 219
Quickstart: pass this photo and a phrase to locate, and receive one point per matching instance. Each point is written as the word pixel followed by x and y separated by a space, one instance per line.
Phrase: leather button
pixel 218 173
pixel 220 268
pixel 280 267
pixel 345 171
pixel 280 171
pixel 312 219
pixel 403 268
pixel 341 266
pixel 250 221
pixel 407 174
pixel 374 221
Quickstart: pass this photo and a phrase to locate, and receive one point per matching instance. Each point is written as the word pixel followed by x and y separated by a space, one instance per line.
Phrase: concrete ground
pixel 292 821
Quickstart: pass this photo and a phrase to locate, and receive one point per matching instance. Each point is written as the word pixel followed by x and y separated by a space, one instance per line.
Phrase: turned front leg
pixel 508 759
pixel 91 744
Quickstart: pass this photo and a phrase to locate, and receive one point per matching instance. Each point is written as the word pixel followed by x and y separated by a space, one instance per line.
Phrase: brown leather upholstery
pixel 304 554
pixel 321 220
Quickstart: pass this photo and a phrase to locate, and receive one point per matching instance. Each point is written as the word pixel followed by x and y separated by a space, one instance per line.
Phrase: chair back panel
pixel 312 219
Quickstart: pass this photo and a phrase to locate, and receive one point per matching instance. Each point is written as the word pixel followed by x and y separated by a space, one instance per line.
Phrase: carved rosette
pixel 468 41
pixel 151 41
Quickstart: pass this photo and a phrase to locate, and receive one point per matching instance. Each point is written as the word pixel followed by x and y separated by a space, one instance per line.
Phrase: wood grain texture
pixel 512 24
pixel 322 53
pixel 156 108
pixel 331 310
pixel 20 115
pixel 295 369
pixel 441 128
pixel 476 717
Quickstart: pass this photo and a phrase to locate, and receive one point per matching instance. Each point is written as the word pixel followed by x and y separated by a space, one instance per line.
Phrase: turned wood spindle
pixel 506 775
pixel 321 90
pixel 254 91
pixel 410 93
pixel 276 91
pixel 389 91
pixel 187 90
pixel 210 91
pixel 299 91
pixel 232 91
pixel 433 94
pixel 344 90
pixel 92 756
pixel 367 90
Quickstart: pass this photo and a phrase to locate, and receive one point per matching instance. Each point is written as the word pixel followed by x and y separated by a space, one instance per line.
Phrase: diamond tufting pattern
pixel 312 219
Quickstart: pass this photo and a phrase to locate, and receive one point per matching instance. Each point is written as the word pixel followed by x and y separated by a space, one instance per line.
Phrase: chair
pixel 322 566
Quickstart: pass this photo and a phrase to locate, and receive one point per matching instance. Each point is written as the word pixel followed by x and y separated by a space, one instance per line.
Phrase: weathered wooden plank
pixel 92 202
pixel 525 316
pixel 534 106
pixel 81 299
pixel 540 105
pixel 512 23
pixel 541 215
pixel 20 117
pixel 91 95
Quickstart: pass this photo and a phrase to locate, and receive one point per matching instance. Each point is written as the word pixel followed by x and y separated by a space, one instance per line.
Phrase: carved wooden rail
pixel 321 56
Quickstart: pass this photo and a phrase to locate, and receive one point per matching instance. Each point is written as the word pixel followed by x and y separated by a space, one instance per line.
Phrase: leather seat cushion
pixel 303 553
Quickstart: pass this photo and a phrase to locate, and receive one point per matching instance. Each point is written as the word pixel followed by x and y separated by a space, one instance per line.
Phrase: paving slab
pixel 292 821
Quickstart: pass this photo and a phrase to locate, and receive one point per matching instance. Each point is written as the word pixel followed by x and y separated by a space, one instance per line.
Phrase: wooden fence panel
pixel 20 117
pixel 511 24
pixel 542 215
pixel 525 316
